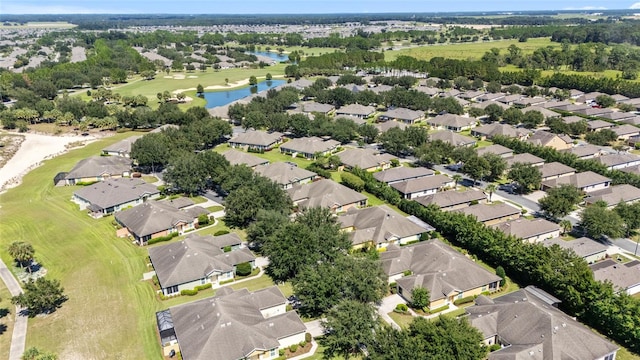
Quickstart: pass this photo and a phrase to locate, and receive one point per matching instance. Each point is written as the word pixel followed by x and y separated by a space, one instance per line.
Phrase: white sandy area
pixel 34 149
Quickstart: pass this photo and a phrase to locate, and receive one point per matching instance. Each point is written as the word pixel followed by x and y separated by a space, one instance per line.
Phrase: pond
pixel 273 55
pixel 221 98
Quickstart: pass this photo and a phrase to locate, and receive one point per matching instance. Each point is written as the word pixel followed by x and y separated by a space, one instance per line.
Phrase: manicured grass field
pixel 7 316
pixel 468 50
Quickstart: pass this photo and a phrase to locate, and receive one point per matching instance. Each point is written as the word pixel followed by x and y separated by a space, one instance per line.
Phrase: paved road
pixel 626 244
pixel 20 326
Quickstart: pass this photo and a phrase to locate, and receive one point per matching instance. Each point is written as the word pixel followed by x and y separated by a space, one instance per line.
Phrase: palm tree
pixel 491 188
pixel 22 252
pixel 457 178
pixel 566 226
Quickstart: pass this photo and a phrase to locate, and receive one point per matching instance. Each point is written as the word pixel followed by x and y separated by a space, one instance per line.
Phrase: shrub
pixel 474 202
pixel 155 280
pixel 221 232
pixel 495 347
pixel 352 181
pixel 407 273
pixel 307 337
pixel 293 348
pixel 162 238
pixel 401 308
pixel 226 248
pixel 500 272
pixel 203 219
pixel 302 343
pixel 281 352
pixel 440 309
pixel 189 292
pixel 226 281
pixel 203 287
pixel 243 269
pixel 464 300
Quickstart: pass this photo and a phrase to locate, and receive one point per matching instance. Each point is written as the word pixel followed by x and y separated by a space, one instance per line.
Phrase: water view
pixel 220 98
pixel 273 55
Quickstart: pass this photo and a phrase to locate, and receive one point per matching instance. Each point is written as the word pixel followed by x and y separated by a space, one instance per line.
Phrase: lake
pixel 273 55
pixel 221 98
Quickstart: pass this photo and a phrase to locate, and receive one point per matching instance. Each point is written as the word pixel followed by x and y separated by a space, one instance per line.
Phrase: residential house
pixel 357 110
pixel 447 274
pixel 632 170
pixel 471 95
pixel 256 139
pixel 113 195
pixel 453 200
pixel 589 98
pixel 586 181
pixel 121 148
pixel 503 152
pixel 366 159
pixel 524 158
pixel 402 173
pixel 491 214
pixel 235 157
pixel 309 147
pixel 545 138
pixel 545 112
pixel 387 125
pixel 509 99
pixel 490 97
pixel 198 260
pixel 411 189
pixel 314 107
pixel 624 277
pixel 379 226
pixel 614 194
pixel 618 116
pixel 286 175
pixel 483 104
pixel 527 102
pixel 452 122
pixel 404 115
pixel 327 194
pixel 626 131
pixel 619 160
pixel 356 120
pixel 98 168
pixel 590 250
pixel 528 325
pixel 591 111
pixel 572 119
pixel 586 151
pixel 154 219
pixel 490 130
pixel 452 138
pixel 554 170
pixel 235 325
pixel 597 125
pixel 535 230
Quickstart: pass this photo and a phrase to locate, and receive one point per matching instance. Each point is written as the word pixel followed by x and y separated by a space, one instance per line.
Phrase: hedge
pixel 440 309
pixel 162 238
pixel 221 232
pixel 558 271
pixel 464 300
pixel 189 292
pixel 243 269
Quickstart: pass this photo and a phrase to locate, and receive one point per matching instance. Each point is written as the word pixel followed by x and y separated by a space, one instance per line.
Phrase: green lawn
pixel 403 320
pixel 468 50
pixel 7 316
pixel 262 282
pixel 110 312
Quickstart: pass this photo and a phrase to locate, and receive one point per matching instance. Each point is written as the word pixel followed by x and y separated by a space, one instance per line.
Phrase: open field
pixel 468 50
pixel 7 316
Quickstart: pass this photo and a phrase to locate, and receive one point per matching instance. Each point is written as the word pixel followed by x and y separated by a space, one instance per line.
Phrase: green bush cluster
pixel 221 232
pixel 464 300
pixel 307 337
pixel 401 308
pixel 189 292
pixel 162 238
pixel 352 181
pixel 293 348
pixel 243 269
pixel 377 188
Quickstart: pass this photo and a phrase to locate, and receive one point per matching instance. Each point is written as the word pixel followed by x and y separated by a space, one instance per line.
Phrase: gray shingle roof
pixel 112 192
pixel 122 146
pixel 324 193
pixel 495 149
pixel 422 184
pixel 379 224
pixel 598 124
pixel 309 145
pixel 99 166
pixel 403 114
pixel 622 276
pixel 155 216
pixel 451 120
pixel 356 109
pixel 402 173
pixel 583 246
pixel 626 129
pixel 493 129
pixel 231 326
pixel 586 150
pixel 618 159
pixel 451 198
pixel 283 173
pixel 387 125
pixel 256 138
pixel 436 267
pixel 542 138
pixel 579 180
pixel 317 107
pixel 364 158
pixel 194 258
pixel 614 194
pixel 236 157
pixel 452 138
pixel 525 228
pixel 524 158
pixel 486 212
pixel 555 169
pixel 534 329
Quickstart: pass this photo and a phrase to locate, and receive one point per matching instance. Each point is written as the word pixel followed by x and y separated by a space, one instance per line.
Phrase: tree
pixel 419 297
pixel 457 178
pixel 348 325
pixel 512 116
pixel 185 173
pixel 602 138
pixel 605 101
pixel 22 252
pixel 199 90
pixel 560 201
pixel 244 202
pixel 368 133
pixel 502 274
pixel 497 166
pixel 630 214
pixel 566 226
pixel 321 286
pixel 598 221
pixel 526 176
pixel 151 150
pixel 313 237
pixel 477 168
pixel 494 111
pixel 34 353
pixel 532 119
pixel 352 181
pixel 491 188
pixel 269 77
pixel 394 141
pixel 253 81
pixel 40 296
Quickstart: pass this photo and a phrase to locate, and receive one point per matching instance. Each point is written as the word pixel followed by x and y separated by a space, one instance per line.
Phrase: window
pixel 172 289
pixel 610 357
pixel 273 352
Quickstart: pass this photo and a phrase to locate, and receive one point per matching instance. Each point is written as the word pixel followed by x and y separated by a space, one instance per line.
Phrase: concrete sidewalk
pixel 19 336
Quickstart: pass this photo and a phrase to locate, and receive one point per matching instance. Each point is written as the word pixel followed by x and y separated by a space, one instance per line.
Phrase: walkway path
pixel 388 304
pixel 19 336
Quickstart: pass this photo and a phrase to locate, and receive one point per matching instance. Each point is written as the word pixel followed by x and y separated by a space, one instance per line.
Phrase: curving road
pixel 19 336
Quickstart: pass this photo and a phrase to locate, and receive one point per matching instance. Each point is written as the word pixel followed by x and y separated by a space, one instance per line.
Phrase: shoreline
pixel 232 86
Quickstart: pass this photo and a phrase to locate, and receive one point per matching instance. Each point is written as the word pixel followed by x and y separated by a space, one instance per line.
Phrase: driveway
pixel 20 326
pixel 387 305
pixel 315 328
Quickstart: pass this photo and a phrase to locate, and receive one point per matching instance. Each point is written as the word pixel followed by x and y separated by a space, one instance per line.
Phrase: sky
pixel 296 7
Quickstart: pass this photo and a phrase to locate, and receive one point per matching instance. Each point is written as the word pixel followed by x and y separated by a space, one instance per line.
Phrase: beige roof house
pixel 535 230
pixel 545 138
pixel 356 110
pixel 528 325
pixel 524 158
pixel 121 148
pixel 309 147
pixel 614 194
pixel 490 214
pixel 490 130
pixel 452 200
pixel 452 138
pixel 555 169
pixel 403 115
pixel 452 122
pixel 286 175
pixel 587 181
pixel 256 139
pixel 235 157
pixel 402 173
pixel 619 160
pixel 588 249
pixel 586 151
pixel 495 149
pixel 624 277
pixel 422 186
pixel 98 168
pixel 113 195
pixel 328 194
pixel 366 159
pixel 387 125
pixel 379 225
